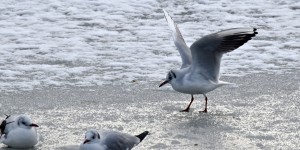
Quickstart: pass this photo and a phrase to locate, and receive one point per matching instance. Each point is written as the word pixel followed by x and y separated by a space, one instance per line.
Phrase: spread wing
pixel 183 49
pixel 207 51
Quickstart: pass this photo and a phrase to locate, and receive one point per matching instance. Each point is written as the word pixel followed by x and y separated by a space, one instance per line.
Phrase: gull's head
pixel 25 122
pixel 170 76
pixel 91 135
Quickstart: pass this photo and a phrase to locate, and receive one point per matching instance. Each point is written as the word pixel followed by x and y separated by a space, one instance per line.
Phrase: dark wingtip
pixel 142 135
pixel 255 31
pixel 7 116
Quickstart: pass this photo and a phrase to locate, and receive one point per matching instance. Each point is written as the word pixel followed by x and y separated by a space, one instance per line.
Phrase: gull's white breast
pixel 193 83
pixel 92 146
pixel 21 138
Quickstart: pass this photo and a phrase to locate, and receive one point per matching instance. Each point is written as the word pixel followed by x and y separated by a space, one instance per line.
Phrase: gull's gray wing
pixel 207 51
pixel 183 49
pixel 118 141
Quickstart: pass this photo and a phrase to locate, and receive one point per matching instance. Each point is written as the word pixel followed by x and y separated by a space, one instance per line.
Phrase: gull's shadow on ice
pixel 210 120
pixel 208 130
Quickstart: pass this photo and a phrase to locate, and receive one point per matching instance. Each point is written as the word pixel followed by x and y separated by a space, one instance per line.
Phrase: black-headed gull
pixel 110 140
pixel 18 132
pixel 199 72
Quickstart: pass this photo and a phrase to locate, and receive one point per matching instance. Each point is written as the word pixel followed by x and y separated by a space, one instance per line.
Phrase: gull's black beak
pixel 163 83
pixel 33 125
pixel 86 141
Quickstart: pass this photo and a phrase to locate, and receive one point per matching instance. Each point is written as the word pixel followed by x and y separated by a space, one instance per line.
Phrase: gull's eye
pixel 93 137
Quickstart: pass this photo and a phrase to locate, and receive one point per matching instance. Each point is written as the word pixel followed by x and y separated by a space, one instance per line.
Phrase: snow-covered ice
pixel 87 43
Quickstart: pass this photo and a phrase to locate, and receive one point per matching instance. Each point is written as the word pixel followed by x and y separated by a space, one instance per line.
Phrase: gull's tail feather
pixel 142 135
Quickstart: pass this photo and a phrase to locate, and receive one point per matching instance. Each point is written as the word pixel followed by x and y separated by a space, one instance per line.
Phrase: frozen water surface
pixel 88 43
pixel 252 115
pixel 76 65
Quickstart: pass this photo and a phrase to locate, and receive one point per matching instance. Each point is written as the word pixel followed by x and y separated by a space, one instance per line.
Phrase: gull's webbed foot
pixel 203 111
pixel 185 110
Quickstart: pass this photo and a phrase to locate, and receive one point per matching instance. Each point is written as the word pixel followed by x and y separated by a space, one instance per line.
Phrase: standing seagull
pixel 110 140
pixel 199 72
pixel 18 132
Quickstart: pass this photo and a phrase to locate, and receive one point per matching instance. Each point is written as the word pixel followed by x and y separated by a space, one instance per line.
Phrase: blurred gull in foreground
pixel 199 72
pixel 110 140
pixel 18 132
